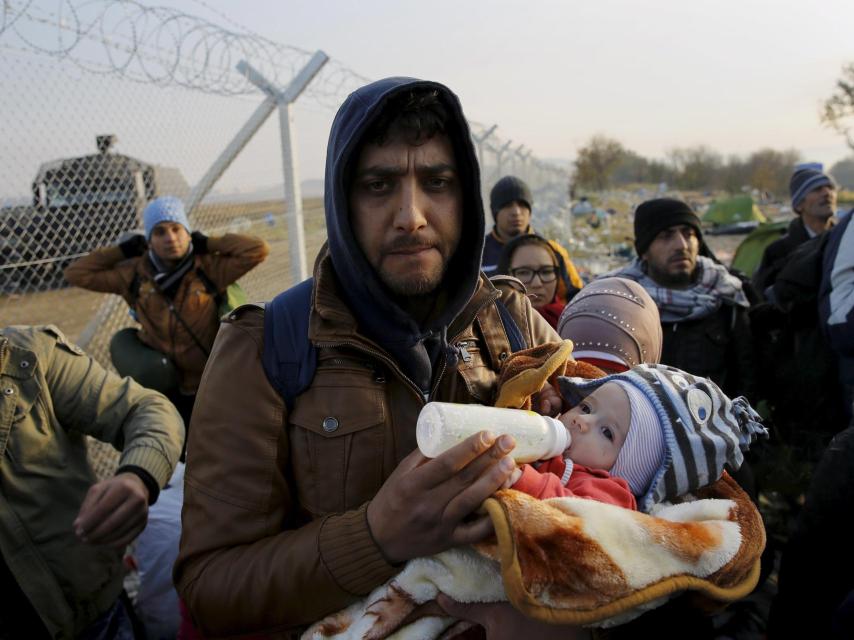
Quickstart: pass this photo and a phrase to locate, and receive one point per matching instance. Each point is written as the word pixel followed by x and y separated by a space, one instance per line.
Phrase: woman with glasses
pixel 531 259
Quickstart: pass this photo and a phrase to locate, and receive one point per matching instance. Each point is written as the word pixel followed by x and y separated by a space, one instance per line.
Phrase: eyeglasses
pixel 526 274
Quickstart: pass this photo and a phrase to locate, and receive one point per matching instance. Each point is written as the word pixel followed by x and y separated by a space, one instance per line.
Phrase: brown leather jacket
pixel 275 534
pixel 227 259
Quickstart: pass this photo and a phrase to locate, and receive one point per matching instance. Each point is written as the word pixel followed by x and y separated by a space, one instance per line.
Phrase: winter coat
pixel 776 255
pixel 275 511
pixel 546 480
pixel 284 540
pixel 788 334
pixel 836 296
pixel 817 565
pixel 52 396
pixel 227 259
pixel 718 346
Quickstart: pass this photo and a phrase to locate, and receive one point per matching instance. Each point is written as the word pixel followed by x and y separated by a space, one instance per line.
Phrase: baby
pixel 642 437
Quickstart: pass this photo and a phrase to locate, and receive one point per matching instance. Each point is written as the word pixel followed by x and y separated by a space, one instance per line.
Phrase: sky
pixel 655 75
pixel 736 75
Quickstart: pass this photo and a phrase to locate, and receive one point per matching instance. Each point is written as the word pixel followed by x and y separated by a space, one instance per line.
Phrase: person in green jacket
pixel 62 532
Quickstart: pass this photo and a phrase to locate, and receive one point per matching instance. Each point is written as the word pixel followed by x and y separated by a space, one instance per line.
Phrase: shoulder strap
pixel 289 357
pixel 209 285
pixel 514 334
pixel 134 288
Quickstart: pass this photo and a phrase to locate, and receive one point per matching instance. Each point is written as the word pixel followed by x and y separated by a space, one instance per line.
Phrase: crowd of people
pixel 299 487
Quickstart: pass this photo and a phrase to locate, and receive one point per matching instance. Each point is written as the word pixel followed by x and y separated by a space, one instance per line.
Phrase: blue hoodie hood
pixel 415 348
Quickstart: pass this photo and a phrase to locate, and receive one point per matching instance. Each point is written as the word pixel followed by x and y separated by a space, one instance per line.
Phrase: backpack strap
pixel 133 289
pixel 210 286
pixel 514 334
pixel 289 357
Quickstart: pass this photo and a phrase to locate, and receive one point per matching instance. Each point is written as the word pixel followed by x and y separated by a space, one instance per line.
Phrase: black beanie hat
pixel 509 189
pixel 653 216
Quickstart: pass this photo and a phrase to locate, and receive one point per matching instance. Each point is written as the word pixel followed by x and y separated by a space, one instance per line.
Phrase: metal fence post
pixel 479 141
pixel 499 155
pixel 293 191
pixel 293 198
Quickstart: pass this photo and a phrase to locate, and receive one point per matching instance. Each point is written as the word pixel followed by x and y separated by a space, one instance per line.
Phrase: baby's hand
pixel 517 473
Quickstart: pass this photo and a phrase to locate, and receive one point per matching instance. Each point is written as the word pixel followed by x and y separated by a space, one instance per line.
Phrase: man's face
pixel 672 256
pixel 819 204
pixel 169 241
pixel 513 219
pixel 406 211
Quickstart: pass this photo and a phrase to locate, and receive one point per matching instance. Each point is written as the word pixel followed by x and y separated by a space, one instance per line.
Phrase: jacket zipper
pixel 390 363
pixel 462 350
pixel 492 298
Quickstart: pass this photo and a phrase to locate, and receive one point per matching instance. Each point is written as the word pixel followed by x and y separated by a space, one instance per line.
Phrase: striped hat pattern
pixel 702 429
pixel 808 176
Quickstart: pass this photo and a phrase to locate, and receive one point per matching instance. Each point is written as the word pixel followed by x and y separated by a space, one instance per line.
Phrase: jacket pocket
pixel 34 440
pixel 337 435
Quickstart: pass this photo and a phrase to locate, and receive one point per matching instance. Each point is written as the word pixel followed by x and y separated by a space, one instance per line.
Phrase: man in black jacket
pixel 705 330
pixel 814 201
pixel 703 306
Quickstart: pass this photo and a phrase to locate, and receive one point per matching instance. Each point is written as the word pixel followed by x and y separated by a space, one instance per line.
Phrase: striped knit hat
pixel 807 176
pixel 643 449
pixel 702 429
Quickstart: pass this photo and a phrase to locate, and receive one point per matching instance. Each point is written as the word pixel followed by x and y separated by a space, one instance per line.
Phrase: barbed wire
pixel 162 46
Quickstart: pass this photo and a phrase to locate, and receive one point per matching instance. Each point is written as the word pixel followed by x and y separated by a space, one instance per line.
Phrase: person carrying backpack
pixel 174 280
pixel 304 486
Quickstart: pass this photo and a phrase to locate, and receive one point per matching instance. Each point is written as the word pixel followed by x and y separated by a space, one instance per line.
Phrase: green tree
pixel 838 111
pixel 597 161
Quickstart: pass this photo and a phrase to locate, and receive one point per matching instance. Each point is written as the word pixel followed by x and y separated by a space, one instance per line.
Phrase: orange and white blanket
pixel 573 561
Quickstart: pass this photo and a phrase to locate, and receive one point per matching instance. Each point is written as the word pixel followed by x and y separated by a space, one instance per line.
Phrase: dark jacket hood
pixel 380 317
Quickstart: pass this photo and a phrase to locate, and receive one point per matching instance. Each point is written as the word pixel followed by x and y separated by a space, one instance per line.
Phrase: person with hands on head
pixel 173 280
pixel 62 533
pixel 315 501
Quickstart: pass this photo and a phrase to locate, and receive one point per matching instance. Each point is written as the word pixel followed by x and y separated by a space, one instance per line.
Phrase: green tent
pixel 748 255
pixel 733 210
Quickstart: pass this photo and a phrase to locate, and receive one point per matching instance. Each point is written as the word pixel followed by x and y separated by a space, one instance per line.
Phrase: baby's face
pixel 598 426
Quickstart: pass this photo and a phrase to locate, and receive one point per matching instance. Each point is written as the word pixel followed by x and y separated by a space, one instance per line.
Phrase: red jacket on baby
pixel 548 480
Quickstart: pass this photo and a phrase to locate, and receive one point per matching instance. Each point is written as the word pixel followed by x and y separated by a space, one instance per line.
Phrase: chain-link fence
pixel 106 105
pixel 109 104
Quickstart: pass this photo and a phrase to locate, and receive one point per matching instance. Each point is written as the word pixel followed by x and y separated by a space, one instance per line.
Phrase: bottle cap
pixel 561 439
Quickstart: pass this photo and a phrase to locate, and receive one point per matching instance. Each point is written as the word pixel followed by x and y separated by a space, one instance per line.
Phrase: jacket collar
pixel 332 321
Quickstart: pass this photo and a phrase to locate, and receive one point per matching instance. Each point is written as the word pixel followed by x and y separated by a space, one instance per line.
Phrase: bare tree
pixel 696 167
pixel 843 171
pixel 838 111
pixel 770 170
pixel 597 161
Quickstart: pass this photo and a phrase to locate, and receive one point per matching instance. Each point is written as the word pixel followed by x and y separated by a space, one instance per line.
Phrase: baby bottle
pixel 441 425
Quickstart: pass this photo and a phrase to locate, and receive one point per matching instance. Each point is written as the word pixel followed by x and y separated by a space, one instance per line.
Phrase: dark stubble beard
pixel 414 286
pixel 679 280
pixel 423 283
